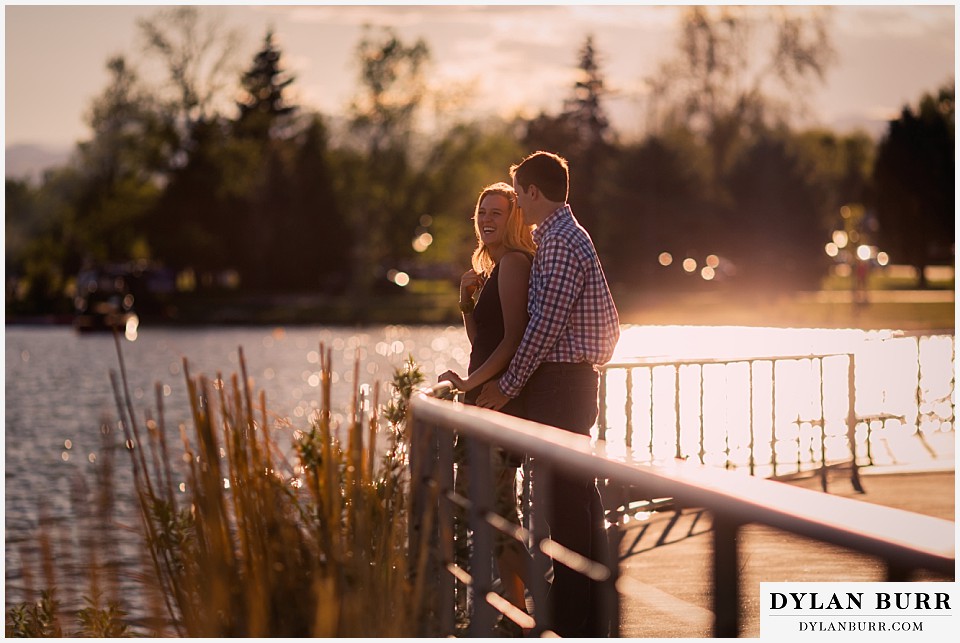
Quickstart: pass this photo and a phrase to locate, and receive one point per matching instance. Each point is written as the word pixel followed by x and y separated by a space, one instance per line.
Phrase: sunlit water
pixel 58 395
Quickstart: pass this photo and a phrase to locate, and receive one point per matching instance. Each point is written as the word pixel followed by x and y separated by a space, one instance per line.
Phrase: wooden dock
pixel 665 570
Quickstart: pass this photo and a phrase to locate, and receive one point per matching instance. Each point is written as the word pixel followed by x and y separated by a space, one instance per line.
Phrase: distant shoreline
pixel 885 310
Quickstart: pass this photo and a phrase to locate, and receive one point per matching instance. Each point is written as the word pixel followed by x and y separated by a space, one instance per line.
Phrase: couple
pixel 543 322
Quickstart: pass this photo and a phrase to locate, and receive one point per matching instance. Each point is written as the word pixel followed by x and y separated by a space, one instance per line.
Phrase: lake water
pixel 58 393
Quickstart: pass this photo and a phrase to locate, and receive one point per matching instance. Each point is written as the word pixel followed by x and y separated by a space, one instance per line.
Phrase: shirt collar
pixel 550 221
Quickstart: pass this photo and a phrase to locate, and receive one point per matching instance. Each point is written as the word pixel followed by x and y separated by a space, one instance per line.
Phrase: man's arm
pixel 559 284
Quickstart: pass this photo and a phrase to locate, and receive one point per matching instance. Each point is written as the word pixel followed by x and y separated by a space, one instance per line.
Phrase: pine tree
pixel 584 110
pixel 264 111
pixel 590 153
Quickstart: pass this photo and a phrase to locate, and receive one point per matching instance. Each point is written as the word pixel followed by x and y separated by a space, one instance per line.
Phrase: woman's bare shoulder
pixel 516 260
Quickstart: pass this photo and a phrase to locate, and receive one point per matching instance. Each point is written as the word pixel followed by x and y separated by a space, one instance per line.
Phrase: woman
pixel 495 321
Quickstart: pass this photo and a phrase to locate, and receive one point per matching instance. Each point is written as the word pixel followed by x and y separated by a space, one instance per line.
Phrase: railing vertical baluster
pixel 799 435
pixel 421 529
pixel 750 417
pixel 703 451
pixel 896 573
pixel 773 416
pixel 726 427
pixel 651 413
pixel 480 483
pixel 919 388
pixel 446 603
pixel 602 414
pixel 611 597
pixel 628 408
pixel 823 432
pixel 852 423
pixel 676 390
pixel 726 578
pixel 541 562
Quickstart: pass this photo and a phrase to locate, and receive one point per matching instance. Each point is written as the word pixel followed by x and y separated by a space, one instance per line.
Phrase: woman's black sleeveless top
pixel 488 317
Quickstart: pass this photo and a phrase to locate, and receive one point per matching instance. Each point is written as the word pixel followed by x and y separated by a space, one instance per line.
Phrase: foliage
pixel 384 200
pixel 838 167
pixel 715 85
pixel 103 622
pixel 660 204
pixel 405 381
pixel 198 56
pixel 779 239
pixel 218 174
pixel 117 169
pixel 35 619
pixel 915 177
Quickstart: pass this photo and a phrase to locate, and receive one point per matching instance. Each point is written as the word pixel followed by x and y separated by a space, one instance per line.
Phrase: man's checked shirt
pixel 572 314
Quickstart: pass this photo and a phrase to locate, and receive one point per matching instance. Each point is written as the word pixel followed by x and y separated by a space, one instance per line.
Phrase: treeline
pixel 264 196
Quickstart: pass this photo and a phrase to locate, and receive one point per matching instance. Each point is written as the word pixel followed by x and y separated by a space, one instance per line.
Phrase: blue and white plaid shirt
pixel 572 314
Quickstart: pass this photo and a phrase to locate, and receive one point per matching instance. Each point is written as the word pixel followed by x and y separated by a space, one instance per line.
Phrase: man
pixel 573 329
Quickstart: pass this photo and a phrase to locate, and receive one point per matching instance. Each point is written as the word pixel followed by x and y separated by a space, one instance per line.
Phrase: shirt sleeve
pixel 559 280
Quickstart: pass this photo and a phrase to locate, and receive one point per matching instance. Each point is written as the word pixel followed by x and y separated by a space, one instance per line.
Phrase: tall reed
pixel 244 540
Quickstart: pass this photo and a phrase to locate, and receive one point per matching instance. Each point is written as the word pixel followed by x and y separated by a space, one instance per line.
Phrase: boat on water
pixel 104 302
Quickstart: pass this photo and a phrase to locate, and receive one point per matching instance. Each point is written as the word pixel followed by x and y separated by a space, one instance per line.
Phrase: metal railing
pixel 906 542
pixel 809 449
pixel 664 414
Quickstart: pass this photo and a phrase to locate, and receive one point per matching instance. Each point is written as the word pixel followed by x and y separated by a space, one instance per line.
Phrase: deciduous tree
pixel 738 70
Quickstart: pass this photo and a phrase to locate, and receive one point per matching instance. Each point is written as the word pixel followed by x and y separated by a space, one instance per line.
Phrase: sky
pixel 509 59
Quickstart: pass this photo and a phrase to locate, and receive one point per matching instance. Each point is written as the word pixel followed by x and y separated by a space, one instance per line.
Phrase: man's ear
pixel 532 191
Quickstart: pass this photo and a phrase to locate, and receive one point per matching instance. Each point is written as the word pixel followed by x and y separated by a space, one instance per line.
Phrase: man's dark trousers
pixel 565 396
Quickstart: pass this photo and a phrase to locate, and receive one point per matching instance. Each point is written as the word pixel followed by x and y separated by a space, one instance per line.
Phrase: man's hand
pixel 490 396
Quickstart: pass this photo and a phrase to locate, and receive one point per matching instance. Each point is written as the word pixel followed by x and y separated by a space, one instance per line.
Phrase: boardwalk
pixel 666 582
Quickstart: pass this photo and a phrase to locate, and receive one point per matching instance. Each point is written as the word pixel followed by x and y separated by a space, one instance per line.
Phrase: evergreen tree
pixel 264 109
pixel 581 133
pixel 584 110
pixel 592 154
pixel 263 149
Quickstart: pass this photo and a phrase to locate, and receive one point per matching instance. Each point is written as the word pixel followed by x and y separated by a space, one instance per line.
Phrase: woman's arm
pixel 469 283
pixel 513 284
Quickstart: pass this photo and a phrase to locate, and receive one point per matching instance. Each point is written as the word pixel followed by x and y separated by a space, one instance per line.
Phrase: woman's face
pixel 492 218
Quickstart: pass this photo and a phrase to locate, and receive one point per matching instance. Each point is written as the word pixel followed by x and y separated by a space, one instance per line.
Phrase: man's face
pixel 522 199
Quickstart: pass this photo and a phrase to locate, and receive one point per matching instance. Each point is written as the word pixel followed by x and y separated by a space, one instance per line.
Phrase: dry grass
pixel 244 541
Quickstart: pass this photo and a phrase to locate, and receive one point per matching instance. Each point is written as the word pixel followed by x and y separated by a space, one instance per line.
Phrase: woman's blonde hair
pixel 516 235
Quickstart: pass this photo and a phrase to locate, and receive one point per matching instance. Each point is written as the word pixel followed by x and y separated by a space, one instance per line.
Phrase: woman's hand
pixel 470 282
pixel 454 379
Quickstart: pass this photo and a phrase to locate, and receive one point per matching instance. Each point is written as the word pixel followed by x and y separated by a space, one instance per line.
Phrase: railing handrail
pixel 661 360
pixel 647 362
pixel 895 535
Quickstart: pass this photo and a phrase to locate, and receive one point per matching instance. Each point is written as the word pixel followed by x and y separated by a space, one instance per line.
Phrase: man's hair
pixel 546 170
